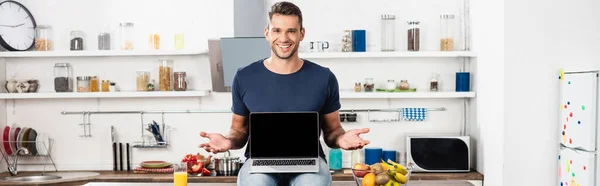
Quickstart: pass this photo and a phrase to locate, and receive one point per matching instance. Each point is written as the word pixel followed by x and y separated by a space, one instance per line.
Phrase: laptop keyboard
pixel 282 162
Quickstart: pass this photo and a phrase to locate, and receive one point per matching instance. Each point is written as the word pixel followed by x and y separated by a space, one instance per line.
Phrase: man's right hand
pixel 216 143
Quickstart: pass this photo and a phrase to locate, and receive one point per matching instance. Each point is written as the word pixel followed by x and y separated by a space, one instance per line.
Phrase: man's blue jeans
pixel 321 178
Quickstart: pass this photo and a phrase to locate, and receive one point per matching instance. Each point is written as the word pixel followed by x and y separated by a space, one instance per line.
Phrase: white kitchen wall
pixel 542 37
pixel 209 19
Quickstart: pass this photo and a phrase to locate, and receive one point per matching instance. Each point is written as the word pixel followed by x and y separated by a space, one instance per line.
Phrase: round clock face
pixel 17 26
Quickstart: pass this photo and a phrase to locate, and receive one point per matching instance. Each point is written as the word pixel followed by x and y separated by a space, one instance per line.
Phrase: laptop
pixel 299 131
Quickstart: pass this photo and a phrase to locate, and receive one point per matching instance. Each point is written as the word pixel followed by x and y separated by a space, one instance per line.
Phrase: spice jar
pixel 404 85
pixel 83 83
pixel 43 38
pixel 180 83
pixel 154 41
pixel 63 79
pixel 142 80
pixel 434 83
pixel 447 32
pixel 165 74
pixel 388 33
pixel 414 36
pixel 77 40
pixel 369 85
pixel 113 87
pixel 357 87
pixel 105 86
pixel 391 85
pixel 126 36
pixel 94 85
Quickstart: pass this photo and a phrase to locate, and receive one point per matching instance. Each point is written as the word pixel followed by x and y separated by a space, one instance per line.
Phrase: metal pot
pixel 226 165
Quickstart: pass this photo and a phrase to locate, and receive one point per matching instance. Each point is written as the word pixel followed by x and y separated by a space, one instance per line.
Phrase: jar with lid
pixel 83 83
pixel 43 38
pixel 447 32
pixel 105 86
pixel 165 74
pixel 77 40
pixel 63 78
pixel 154 41
pixel 94 84
pixel 104 39
pixel 347 41
pixel 388 33
pixel 404 85
pixel 126 36
pixel 142 80
pixel 369 85
pixel 391 85
pixel 179 41
pixel 434 83
pixel 414 36
pixel 180 82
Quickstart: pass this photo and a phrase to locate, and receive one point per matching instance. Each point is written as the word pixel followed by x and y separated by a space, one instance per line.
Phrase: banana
pixel 392 182
pixel 385 165
pixel 400 178
pixel 397 167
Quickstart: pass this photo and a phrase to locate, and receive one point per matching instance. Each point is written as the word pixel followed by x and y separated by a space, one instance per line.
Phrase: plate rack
pixel 39 145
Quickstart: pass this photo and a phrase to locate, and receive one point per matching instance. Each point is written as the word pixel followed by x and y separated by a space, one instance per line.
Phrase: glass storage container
pixel 391 85
pixel 388 33
pixel 154 41
pixel 142 80
pixel 369 85
pixel 76 41
pixel 94 85
pixel 126 36
pixel 83 83
pixel 43 38
pixel 414 36
pixel 404 85
pixel 104 42
pixel 105 85
pixel 165 74
pixel 180 82
pixel 434 83
pixel 63 77
pixel 347 41
pixel 447 32
pixel 179 41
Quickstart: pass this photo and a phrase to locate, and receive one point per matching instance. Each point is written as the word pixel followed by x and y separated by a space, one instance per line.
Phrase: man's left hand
pixel 351 139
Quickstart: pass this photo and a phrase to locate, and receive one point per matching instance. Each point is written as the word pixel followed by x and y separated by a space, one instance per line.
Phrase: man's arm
pixel 238 134
pixel 332 129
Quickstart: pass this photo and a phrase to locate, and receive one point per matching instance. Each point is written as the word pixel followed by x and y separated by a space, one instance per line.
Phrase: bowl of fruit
pixel 387 173
pixel 196 164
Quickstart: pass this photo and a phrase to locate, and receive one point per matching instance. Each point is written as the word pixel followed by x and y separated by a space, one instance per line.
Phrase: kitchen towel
pixel 142 170
pixel 414 114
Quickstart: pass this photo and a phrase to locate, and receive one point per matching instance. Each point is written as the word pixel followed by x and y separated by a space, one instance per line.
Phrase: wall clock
pixel 17 26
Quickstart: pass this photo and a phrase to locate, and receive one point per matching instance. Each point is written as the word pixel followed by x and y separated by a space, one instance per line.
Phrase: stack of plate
pixel 14 137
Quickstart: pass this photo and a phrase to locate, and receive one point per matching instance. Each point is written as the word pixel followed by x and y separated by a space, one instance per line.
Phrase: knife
pixel 121 155
pixel 114 147
pixel 127 150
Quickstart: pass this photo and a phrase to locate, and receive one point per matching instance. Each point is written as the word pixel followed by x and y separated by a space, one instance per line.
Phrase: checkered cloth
pixel 414 114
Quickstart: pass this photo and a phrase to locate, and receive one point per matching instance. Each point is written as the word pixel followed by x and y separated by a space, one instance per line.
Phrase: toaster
pixel 439 153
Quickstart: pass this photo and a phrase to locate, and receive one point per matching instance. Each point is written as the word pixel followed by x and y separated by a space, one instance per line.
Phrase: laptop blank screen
pixel 298 132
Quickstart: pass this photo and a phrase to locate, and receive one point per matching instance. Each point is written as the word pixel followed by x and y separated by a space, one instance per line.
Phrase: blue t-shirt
pixel 312 88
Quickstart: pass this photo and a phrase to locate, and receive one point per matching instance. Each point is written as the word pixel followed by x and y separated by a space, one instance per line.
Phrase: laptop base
pixel 284 168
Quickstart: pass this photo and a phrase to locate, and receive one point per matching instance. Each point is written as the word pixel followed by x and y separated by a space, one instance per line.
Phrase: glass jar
pixel 414 36
pixel 94 85
pixel 388 33
pixel 369 85
pixel 179 41
pixel 180 82
pixel 347 41
pixel 77 40
pixel 126 36
pixel 83 83
pixel 165 74
pixel 113 87
pixel 104 39
pixel 154 41
pixel 434 83
pixel 63 78
pixel 142 80
pixel 391 85
pixel 357 87
pixel 447 32
pixel 404 85
pixel 43 38
pixel 105 86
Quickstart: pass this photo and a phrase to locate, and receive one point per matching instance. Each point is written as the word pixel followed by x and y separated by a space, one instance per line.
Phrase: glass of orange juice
pixel 180 175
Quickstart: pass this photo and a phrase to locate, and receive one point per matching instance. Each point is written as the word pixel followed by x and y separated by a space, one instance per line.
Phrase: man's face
pixel 284 34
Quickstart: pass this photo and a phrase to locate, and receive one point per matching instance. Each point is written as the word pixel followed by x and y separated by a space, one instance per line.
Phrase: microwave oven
pixel 439 153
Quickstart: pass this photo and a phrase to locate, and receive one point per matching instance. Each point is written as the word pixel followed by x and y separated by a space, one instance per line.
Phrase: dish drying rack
pixel 46 156
pixel 153 134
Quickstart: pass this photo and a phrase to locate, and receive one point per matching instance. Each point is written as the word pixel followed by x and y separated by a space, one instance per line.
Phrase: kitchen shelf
pixel 99 53
pixel 401 54
pixel 153 94
pixel 408 95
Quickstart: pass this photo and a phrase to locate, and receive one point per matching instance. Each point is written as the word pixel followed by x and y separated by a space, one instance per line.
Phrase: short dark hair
pixel 286 8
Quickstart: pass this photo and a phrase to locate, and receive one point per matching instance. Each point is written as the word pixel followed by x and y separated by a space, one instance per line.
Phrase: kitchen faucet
pixel 12 169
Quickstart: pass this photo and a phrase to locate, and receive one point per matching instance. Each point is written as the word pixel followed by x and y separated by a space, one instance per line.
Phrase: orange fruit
pixel 369 180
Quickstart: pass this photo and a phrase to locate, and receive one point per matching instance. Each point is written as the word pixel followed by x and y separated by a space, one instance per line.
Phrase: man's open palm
pixel 351 139
pixel 216 142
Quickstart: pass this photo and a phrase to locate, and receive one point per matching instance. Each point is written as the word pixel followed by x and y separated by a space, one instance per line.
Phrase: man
pixel 284 82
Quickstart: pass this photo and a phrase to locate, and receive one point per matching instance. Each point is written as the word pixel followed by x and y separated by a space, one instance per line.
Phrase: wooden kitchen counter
pixel 116 176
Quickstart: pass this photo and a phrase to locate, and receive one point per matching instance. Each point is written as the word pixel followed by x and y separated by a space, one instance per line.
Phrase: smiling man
pixel 285 83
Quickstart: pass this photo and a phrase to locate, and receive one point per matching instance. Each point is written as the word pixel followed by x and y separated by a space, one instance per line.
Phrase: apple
pixel 361 169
